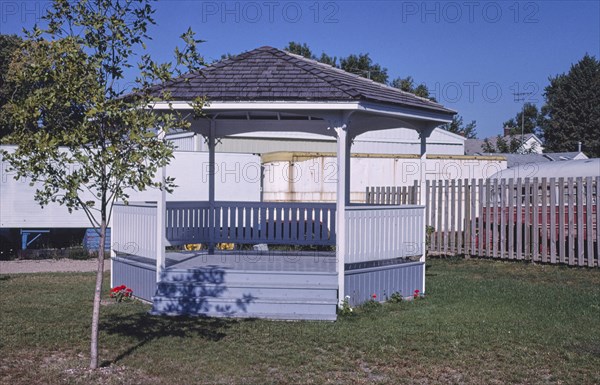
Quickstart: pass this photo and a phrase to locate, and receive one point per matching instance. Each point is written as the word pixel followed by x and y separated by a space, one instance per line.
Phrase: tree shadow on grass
pixel 145 328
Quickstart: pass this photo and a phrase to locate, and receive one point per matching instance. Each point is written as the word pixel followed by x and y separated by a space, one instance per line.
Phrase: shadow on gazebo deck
pixel 275 285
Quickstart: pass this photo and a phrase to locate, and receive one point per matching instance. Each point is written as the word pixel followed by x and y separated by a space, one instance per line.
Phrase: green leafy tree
pixel 504 145
pixel 326 59
pixel 300 49
pixel 8 46
pixel 407 84
pixel 225 56
pixel 360 64
pixel 363 65
pixel 80 137
pixel 422 91
pixel 457 126
pixel 572 109
pixel 530 125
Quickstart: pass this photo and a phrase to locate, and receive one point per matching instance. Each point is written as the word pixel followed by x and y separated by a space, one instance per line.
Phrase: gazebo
pixel 378 250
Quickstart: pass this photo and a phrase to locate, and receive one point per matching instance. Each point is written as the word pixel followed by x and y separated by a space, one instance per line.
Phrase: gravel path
pixel 50 266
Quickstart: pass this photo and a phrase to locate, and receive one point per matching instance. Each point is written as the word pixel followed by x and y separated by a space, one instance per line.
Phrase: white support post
pixel 113 253
pixel 161 211
pixel 422 166
pixel 198 142
pixel 423 135
pixel 211 185
pixel 343 156
pixel 347 173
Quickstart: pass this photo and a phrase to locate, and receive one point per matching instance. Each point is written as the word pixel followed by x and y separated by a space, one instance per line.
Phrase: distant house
pixel 531 144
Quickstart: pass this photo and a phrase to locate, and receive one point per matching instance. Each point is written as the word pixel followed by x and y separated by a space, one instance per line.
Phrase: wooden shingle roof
pixel 270 74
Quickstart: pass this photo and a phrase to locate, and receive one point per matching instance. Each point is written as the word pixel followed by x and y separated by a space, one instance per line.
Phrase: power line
pixel 521 97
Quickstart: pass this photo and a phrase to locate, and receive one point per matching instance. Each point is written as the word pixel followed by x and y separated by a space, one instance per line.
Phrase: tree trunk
pixel 97 297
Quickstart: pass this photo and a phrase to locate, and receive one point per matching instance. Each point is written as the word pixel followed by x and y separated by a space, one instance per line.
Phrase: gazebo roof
pixel 268 74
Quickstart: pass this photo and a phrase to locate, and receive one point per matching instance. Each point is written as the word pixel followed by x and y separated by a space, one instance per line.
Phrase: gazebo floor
pixel 273 285
pixel 255 261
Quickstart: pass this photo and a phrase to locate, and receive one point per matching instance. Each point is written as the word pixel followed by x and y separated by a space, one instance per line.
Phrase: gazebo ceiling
pixel 270 89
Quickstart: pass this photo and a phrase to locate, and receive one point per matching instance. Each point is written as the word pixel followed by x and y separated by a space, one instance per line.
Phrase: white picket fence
pixel 548 220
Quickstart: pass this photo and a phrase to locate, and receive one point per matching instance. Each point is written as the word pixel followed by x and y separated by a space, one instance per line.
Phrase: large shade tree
pixel 84 140
pixel 571 113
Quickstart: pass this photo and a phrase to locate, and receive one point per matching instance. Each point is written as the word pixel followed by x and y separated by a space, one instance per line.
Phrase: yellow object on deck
pixel 225 246
pixel 193 246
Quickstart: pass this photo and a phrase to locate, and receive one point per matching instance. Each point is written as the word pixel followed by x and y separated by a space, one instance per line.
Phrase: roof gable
pixel 270 74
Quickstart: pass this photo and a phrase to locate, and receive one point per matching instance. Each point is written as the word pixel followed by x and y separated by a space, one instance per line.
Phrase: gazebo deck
pixel 275 285
pixel 247 260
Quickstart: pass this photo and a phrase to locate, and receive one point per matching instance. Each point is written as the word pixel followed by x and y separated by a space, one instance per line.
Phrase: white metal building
pixel 237 178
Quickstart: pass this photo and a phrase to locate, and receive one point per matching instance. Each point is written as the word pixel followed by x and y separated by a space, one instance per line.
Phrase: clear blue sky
pixel 472 55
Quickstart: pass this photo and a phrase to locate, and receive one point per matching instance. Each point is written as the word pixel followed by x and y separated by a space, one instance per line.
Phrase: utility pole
pixel 521 97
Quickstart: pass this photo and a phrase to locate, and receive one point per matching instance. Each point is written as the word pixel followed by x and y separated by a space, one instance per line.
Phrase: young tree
pixel 78 134
pixel 8 46
pixel 572 110
pixel 469 131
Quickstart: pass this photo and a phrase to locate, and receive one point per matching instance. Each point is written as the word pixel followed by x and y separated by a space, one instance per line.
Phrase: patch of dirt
pixel 50 266
pixel 53 367
pixel 587 347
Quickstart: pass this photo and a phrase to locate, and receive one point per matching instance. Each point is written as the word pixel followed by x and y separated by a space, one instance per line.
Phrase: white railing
pixel 375 233
pixel 134 228
pixel 251 222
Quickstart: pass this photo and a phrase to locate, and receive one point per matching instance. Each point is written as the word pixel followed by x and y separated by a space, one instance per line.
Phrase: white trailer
pixel 237 178
pixel 312 177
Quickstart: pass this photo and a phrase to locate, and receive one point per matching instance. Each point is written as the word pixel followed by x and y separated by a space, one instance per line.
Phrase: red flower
pixel 374 296
pixel 117 288
pixel 417 291
pixel 120 292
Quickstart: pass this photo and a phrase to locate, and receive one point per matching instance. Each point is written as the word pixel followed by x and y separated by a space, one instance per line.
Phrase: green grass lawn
pixel 482 322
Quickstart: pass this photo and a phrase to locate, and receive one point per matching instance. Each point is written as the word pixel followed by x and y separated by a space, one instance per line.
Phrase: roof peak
pixel 268 74
pixel 333 68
